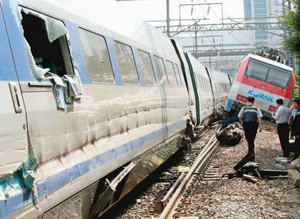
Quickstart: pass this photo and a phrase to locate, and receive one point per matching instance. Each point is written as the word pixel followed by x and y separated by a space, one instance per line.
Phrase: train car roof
pixel 108 18
pixel 219 76
pixel 198 68
pixel 269 61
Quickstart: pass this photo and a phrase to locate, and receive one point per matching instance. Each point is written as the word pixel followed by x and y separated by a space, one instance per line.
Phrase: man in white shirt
pixel 282 117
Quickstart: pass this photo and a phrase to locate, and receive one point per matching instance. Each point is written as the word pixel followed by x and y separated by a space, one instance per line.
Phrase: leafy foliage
pixel 291 20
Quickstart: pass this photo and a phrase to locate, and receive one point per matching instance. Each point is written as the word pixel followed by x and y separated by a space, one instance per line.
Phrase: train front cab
pixel 264 79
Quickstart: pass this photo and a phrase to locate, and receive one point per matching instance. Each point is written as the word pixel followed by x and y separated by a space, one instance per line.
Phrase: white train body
pixel 119 92
pixel 221 86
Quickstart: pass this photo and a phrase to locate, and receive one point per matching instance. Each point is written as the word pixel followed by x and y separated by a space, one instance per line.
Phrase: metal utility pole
pixel 196 42
pixel 286 4
pixel 168 17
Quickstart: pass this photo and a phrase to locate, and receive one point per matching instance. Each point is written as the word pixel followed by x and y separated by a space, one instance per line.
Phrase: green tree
pixel 291 20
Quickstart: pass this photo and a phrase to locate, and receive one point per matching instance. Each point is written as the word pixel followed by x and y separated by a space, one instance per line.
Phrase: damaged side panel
pixel 50 103
pixel 15 174
pixel 13 137
pixel 77 133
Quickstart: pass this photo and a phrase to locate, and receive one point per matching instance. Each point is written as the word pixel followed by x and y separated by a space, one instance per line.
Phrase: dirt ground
pixel 236 198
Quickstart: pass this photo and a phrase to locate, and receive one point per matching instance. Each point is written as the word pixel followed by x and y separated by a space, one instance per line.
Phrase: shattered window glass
pixel 46 44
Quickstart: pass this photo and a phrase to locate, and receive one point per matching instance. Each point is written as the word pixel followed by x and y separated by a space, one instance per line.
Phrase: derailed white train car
pixel 203 87
pixel 88 93
pixel 83 93
pixel 221 84
pixel 207 89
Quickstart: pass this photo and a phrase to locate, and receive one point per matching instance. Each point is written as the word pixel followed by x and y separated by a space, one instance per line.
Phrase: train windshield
pixel 269 73
pixel 278 77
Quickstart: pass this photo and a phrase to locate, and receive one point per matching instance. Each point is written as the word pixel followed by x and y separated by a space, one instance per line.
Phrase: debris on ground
pixel 235 197
pixel 230 135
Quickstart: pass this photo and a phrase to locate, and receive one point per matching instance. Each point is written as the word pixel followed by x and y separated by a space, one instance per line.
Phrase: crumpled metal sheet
pixel 77 206
pixel 22 178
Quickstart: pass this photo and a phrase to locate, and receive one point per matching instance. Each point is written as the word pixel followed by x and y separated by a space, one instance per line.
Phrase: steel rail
pixel 200 160
pixel 160 205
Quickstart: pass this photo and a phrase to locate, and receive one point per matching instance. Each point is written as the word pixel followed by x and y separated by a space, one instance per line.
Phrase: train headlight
pixel 241 98
pixel 272 108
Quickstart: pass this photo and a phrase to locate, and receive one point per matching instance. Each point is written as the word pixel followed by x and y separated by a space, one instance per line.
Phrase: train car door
pixel 13 128
pixel 39 44
pixel 197 99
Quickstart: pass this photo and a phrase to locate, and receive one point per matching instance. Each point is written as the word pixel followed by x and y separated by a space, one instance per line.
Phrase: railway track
pixel 170 195
pixel 178 205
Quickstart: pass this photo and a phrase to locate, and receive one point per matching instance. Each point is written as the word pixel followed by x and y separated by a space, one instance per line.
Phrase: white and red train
pixel 89 93
pixel 265 79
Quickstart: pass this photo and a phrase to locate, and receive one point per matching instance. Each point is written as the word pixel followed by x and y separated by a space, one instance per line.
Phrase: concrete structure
pixel 262 11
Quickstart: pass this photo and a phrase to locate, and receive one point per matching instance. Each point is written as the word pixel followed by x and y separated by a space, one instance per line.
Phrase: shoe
pixel 250 156
pixel 291 160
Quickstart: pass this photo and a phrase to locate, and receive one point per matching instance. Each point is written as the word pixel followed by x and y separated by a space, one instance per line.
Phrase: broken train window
pixel 46 44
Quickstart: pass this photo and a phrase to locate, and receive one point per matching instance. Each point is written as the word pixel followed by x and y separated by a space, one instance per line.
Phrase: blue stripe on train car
pixel 21 59
pixel 7 68
pixel 59 180
pixel 14 31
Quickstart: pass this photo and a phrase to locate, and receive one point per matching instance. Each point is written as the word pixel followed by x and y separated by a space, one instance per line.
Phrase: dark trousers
pixel 283 132
pixel 297 149
pixel 250 130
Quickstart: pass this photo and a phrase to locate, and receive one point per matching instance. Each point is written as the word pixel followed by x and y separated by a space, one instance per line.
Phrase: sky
pixel 208 12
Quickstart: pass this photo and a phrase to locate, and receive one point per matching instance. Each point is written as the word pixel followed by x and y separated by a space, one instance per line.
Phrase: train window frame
pixel 270 67
pixel 56 56
pixel 162 75
pixel 169 64
pixel 139 51
pixel 108 66
pixel 282 71
pixel 123 76
pixel 252 63
pixel 200 82
pixel 178 74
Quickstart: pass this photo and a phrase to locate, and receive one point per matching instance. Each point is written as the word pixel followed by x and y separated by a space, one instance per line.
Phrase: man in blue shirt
pixel 250 117
pixel 282 116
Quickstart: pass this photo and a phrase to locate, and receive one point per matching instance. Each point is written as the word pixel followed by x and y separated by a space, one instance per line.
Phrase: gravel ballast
pixel 238 198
